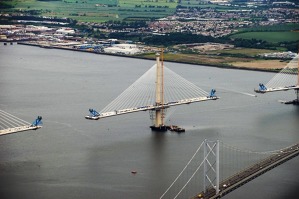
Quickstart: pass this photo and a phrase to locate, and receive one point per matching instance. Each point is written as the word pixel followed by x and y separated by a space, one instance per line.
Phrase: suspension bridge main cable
pixel 182 170
pixel 277 151
pixel 286 150
pixel 205 159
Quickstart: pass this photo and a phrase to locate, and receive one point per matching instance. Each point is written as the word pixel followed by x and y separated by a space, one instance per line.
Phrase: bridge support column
pixel 159 113
pixel 211 165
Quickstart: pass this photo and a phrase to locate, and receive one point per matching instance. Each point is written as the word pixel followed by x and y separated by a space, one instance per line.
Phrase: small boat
pixel 133 172
pixel 176 128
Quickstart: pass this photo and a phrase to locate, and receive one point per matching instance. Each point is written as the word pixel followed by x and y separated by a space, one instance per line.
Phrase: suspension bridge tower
pixel 159 112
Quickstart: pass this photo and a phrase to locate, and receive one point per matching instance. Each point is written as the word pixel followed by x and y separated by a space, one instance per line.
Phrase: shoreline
pixel 145 58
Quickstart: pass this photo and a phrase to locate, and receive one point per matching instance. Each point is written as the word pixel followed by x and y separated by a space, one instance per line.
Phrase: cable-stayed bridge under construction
pixel 158 89
pixel 286 79
pixel 12 124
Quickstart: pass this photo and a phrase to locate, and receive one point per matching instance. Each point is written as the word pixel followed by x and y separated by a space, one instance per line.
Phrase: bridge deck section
pixel 150 107
pixel 18 129
pixel 286 88
pixel 250 173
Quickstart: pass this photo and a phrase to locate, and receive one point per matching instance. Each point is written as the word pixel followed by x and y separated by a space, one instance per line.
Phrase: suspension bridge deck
pixel 150 107
pixel 250 173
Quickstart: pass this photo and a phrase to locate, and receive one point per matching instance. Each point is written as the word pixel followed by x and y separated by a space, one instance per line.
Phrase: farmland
pixel 103 10
pixel 273 37
pixel 97 10
pixel 245 52
pixel 223 61
pixel 272 28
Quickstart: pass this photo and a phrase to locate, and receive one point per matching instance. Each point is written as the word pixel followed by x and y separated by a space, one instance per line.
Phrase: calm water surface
pixel 71 157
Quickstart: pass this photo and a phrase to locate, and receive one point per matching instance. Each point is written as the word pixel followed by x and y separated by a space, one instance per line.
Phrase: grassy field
pixel 251 52
pixel 200 59
pixel 97 10
pixel 201 4
pixel 277 28
pixel 147 3
pixel 226 61
pixel 274 37
pixel 261 64
pixel 104 10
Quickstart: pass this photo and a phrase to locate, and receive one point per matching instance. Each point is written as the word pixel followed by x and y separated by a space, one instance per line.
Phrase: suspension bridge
pixel 155 91
pixel 218 168
pixel 12 124
pixel 286 79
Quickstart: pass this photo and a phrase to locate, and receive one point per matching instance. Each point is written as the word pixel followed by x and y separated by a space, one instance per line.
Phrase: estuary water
pixel 71 157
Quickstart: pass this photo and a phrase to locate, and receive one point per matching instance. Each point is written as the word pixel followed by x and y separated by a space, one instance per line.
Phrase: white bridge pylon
pixel 12 124
pixel 141 95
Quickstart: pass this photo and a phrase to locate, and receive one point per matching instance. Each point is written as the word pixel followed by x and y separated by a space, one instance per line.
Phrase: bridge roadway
pixel 150 107
pixel 18 129
pixel 250 173
pixel 277 89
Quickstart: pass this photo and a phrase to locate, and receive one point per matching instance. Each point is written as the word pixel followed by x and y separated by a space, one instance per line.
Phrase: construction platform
pixel 294 102
pixel 164 128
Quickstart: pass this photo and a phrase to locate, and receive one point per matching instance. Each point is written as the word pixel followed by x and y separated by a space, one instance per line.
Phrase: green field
pixel 273 37
pixel 201 4
pixel 249 52
pixel 96 10
pixel 102 10
pixel 273 28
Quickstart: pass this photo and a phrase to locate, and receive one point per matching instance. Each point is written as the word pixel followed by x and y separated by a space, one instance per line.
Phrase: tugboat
pixel 176 128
